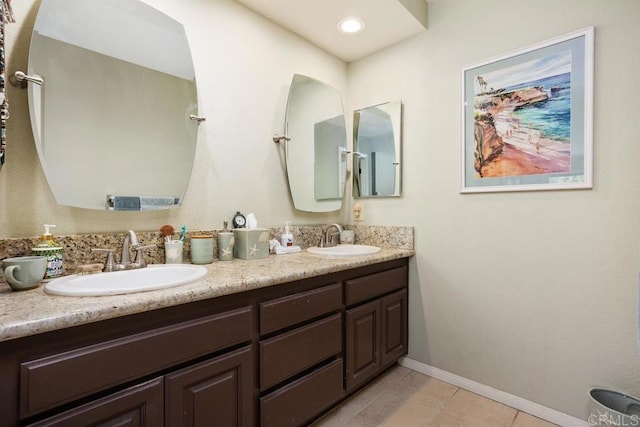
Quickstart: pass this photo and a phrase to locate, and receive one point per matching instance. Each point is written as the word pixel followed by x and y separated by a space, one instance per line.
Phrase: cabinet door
pixel 362 350
pixel 217 392
pixel 140 405
pixel 393 332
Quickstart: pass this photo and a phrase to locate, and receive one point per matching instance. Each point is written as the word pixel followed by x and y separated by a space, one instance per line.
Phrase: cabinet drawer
pixel 364 288
pixel 61 378
pixel 293 309
pixel 303 399
pixel 141 405
pixel 290 353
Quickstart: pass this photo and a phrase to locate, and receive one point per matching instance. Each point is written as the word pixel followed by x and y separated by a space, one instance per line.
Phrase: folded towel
pixel 287 250
pixel 123 203
pixel 136 203
pixel 276 248
pixel 155 203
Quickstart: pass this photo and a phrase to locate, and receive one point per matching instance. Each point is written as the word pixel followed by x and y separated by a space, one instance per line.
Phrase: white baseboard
pixel 515 402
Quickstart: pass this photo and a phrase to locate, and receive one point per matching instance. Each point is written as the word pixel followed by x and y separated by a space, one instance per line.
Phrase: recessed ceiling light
pixel 351 25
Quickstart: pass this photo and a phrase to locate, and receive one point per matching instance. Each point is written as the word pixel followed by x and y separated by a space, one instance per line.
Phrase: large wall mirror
pixel 113 116
pixel 377 137
pixel 316 152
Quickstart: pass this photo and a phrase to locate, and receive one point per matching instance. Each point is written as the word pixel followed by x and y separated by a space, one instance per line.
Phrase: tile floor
pixel 405 398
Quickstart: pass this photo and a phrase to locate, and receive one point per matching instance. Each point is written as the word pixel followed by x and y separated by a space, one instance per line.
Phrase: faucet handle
pixel 139 258
pixel 109 263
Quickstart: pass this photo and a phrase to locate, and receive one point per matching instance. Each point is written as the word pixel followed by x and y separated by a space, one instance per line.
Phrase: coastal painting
pixel 527 118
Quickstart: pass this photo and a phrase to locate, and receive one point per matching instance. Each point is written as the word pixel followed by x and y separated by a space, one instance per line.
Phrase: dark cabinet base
pixel 376 336
pixel 276 356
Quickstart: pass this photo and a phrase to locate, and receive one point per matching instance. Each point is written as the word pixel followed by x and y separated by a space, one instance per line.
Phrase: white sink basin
pixel 344 250
pixel 153 277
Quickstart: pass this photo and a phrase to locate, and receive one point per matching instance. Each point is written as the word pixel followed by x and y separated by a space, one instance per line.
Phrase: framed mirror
pixel 111 121
pixel 316 153
pixel 377 140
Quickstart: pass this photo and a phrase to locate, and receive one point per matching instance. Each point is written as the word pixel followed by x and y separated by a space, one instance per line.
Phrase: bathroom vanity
pixel 235 349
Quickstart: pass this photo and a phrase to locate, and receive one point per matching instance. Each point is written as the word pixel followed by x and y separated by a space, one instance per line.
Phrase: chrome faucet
pixel 130 242
pixel 329 237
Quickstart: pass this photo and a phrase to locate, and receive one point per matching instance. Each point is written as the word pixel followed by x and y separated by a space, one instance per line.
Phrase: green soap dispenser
pixel 225 243
pixel 48 248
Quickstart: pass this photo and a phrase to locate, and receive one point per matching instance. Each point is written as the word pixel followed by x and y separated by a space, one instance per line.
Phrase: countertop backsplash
pixel 77 248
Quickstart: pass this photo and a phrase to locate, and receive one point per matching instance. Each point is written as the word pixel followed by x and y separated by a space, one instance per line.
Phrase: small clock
pixel 239 220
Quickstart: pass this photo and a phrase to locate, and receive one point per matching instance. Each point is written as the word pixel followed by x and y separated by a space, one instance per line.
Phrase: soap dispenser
pixel 225 243
pixel 286 239
pixel 48 248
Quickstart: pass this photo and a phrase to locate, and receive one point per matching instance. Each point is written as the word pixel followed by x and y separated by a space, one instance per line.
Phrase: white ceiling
pixel 386 22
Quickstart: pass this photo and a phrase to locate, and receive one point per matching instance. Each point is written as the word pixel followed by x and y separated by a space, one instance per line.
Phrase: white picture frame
pixel 527 118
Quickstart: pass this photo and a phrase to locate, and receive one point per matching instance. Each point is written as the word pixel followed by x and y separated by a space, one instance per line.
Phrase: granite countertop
pixel 32 312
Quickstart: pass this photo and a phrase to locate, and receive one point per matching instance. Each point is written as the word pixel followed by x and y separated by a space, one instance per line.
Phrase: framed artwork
pixel 6 17
pixel 527 118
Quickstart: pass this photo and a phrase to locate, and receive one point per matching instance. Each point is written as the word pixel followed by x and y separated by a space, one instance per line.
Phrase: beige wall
pixel 244 66
pixel 532 293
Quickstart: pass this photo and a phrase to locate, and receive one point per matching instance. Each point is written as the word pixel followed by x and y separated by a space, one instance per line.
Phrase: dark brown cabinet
pixel 298 402
pixel 63 377
pixel 202 374
pixel 138 406
pixel 362 343
pixel 375 325
pixel 282 355
pixel 217 392
pixel 393 327
pixel 301 361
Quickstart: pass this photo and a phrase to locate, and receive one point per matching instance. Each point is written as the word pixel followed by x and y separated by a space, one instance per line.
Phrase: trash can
pixel 610 408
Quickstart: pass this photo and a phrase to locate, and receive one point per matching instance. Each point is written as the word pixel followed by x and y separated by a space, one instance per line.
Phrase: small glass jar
pixel 173 252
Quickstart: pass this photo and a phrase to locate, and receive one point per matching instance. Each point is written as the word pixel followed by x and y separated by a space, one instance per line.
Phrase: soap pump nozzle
pixel 47 236
pixel 287 238
pixel 46 239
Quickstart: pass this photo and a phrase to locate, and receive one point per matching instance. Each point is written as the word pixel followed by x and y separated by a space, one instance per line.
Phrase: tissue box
pixel 251 243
